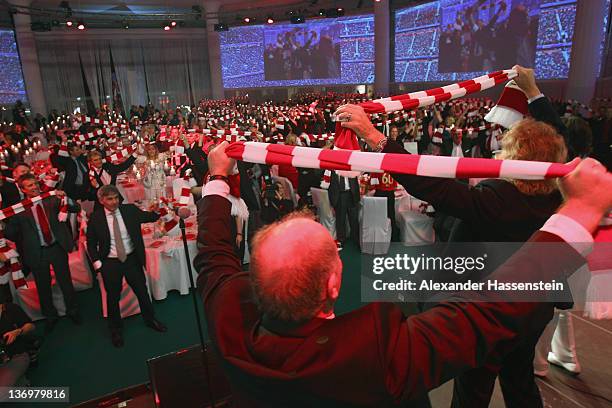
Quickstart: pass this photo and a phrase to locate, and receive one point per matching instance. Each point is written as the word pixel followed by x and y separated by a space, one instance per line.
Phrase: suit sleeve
pixel 198 159
pixel 11 229
pixel 92 241
pixel 541 109
pixel 216 260
pixel 59 162
pixel 450 196
pixel 146 216
pixel 121 167
pixel 476 327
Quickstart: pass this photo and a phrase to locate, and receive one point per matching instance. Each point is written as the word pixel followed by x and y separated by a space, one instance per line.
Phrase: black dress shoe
pixel 50 324
pixel 117 338
pixel 157 325
pixel 76 318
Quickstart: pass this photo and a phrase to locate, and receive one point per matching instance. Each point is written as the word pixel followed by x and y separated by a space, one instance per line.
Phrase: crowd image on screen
pixel 475 43
pixel 303 53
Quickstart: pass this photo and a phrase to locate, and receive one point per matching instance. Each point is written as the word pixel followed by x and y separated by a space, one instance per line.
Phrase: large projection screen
pixel 12 87
pixel 318 52
pixel 449 40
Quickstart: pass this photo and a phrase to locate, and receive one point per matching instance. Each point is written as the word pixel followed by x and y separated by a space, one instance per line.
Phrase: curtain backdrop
pixel 164 71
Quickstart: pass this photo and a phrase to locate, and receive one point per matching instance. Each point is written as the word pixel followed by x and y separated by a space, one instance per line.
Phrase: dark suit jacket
pixel 334 189
pixel 69 166
pixel 393 359
pixel 98 234
pixel 247 191
pixel 10 194
pixel 495 209
pixel 199 164
pixel 541 109
pixel 22 228
pixel 115 169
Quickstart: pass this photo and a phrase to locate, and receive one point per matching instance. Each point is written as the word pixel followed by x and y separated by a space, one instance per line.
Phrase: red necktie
pixel 43 222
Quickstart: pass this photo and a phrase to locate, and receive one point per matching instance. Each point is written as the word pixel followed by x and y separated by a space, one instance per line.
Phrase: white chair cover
pixel 411 147
pixel 415 228
pixel 27 298
pixel 320 199
pixel 288 187
pixel 375 226
pixel 177 186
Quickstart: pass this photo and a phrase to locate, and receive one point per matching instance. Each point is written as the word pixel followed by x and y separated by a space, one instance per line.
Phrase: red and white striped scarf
pixel 12 267
pixel 95 121
pixel 346 139
pixel 420 165
pixel 29 203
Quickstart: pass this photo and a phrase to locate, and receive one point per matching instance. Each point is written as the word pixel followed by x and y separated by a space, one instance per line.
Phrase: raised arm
pixel 539 106
pixel 446 195
pixel 123 166
pixel 216 260
pixel 452 337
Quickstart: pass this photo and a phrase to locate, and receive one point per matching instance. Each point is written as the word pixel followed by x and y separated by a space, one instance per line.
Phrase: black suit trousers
pixel 113 271
pixel 346 208
pixel 54 255
pixel 474 388
pixel 390 195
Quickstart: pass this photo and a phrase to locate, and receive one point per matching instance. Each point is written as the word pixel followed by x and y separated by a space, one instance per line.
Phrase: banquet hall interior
pixel 199 198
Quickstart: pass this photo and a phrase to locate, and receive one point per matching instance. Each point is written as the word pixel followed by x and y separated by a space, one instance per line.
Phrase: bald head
pixel 292 263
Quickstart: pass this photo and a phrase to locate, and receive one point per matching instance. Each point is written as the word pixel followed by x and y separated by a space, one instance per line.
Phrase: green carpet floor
pixel 83 358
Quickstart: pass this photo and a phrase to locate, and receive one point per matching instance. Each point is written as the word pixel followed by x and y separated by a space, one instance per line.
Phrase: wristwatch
pixel 219 177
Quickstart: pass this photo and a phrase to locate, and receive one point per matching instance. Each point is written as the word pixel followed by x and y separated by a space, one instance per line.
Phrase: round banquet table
pixel 134 190
pixel 166 264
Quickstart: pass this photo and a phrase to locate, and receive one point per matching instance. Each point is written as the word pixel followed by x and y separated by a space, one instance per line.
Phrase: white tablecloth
pixel 166 264
pixel 133 190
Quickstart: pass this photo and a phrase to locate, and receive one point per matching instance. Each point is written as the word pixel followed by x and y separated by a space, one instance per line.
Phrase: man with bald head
pixel 281 345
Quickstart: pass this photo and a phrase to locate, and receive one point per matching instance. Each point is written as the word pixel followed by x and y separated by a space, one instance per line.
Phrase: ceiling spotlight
pixel 270 20
pixel 247 20
pixel 69 23
pixel 81 26
pixel 173 24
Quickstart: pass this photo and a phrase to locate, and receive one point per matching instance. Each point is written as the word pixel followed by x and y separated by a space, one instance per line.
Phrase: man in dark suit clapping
pixel 116 249
pixel 45 241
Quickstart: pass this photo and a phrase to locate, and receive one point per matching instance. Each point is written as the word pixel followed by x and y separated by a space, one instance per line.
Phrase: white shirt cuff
pixel 571 232
pixel 535 98
pixel 97 265
pixel 216 187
